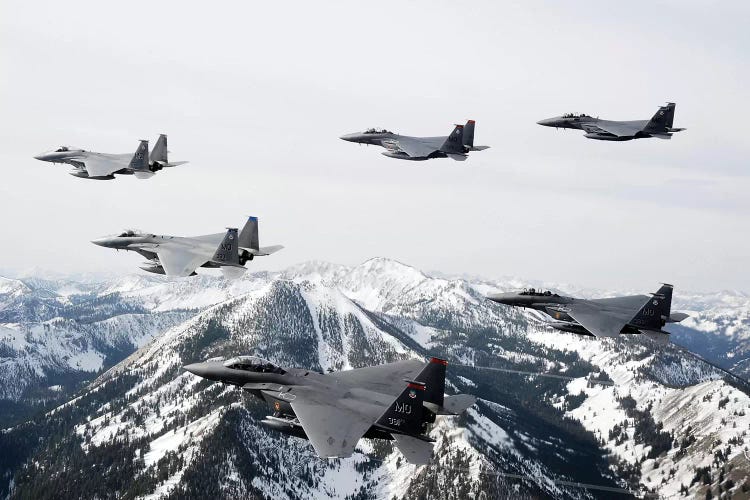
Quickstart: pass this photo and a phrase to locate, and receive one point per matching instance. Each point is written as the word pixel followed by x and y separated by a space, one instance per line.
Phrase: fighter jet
pixel 456 146
pixel 181 256
pixel 601 317
pixel 659 126
pixel 395 401
pixel 104 166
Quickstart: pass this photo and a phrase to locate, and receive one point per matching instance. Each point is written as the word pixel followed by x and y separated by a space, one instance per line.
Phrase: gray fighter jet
pixel 395 401
pixel 104 166
pixel 659 126
pixel 601 317
pixel 456 146
pixel 181 256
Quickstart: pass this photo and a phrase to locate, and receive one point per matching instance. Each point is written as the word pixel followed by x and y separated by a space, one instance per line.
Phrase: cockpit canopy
pixel 62 149
pixel 128 234
pixel 573 115
pixel 377 131
pixel 253 364
pixel 537 293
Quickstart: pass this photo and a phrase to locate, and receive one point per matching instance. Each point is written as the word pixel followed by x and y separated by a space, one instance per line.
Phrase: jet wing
pixel 630 302
pixel 386 379
pixel 181 262
pixel 414 147
pixel 100 167
pixel 333 431
pixel 618 129
pixel 599 320
pixel 214 239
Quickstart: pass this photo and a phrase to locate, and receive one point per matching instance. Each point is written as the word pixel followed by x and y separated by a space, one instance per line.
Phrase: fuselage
pixel 274 386
pixel 554 306
pixel 549 303
pixel 147 244
pixel 76 157
pixel 578 122
pixel 389 141
pixel 612 130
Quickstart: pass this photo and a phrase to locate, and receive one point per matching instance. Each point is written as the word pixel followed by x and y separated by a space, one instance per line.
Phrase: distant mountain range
pixel 94 402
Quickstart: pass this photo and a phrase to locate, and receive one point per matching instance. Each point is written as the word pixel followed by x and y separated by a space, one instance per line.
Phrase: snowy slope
pixel 175 435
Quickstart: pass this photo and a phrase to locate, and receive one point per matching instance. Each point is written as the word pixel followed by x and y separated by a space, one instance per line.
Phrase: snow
pixel 172 440
pixel 401 295
pixel 488 431
pixel 695 406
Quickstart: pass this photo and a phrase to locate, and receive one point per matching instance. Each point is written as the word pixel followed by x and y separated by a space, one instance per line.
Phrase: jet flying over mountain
pixel 659 126
pixel 395 401
pixel 456 146
pixel 601 317
pixel 104 166
pixel 181 256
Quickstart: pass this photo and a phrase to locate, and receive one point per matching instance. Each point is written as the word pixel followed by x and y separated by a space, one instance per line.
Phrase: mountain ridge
pixel 344 317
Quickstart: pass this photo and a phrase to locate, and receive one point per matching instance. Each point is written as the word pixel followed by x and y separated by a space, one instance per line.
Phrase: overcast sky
pixel 256 94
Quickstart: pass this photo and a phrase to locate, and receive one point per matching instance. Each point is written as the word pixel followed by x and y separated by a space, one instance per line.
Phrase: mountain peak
pixel 384 265
pixel 12 286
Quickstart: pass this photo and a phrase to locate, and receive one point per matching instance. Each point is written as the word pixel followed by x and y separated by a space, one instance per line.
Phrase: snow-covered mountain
pixel 145 428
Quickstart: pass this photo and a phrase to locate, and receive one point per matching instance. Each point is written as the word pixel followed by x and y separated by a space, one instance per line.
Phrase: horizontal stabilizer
pixel 174 163
pixel 452 405
pixel 478 148
pixel 677 317
pixel 455 405
pixel 265 250
pixel 415 450
pixel 665 137
pixel 456 157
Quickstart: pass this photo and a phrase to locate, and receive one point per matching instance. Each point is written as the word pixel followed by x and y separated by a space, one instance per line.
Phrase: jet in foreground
pixel 456 146
pixel 660 126
pixel 395 401
pixel 601 317
pixel 104 166
pixel 181 256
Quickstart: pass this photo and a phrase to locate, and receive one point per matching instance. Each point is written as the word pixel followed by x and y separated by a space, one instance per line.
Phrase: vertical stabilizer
pixel 655 314
pixel 433 376
pixel 140 158
pixel 468 138
pixel 228 251
pixel 662 120
pixel 454 143
pixel 159 153
pixel 249 235
pixel 405 414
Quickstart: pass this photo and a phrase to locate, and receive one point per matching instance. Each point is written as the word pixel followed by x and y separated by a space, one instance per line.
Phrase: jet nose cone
pixel 103 242
pixel 350 137
pixel 502 298
pixel 41 156
pixel 196 369
pixel 207 370
pixel 547 122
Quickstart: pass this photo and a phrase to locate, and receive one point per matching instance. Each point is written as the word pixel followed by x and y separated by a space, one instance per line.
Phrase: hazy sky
pixel 256 94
